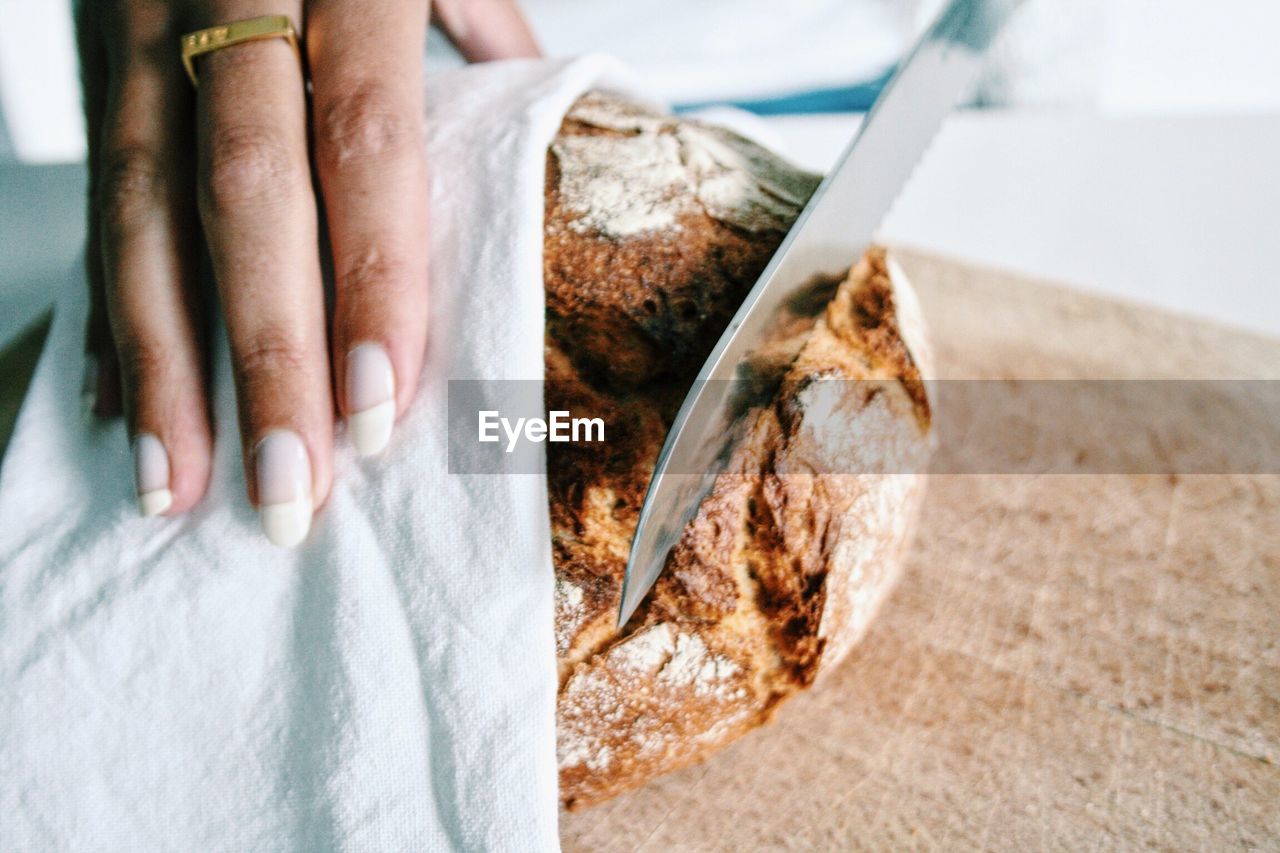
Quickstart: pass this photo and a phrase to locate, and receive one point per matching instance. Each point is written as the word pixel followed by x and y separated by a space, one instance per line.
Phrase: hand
pixel 233 159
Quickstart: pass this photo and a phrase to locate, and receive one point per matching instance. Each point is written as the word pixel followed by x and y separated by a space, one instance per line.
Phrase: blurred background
pixel 1123 146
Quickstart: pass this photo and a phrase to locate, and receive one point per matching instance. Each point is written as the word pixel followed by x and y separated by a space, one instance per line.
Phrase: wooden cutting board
pixel 1069 662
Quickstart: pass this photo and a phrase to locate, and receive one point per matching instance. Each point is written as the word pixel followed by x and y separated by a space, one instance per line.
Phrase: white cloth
pixel 180 684
pixel 709 51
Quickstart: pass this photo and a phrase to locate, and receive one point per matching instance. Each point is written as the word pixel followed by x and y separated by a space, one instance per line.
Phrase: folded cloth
pixel 180 684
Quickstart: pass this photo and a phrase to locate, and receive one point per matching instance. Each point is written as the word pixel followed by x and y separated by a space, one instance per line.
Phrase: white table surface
pixel 1180 212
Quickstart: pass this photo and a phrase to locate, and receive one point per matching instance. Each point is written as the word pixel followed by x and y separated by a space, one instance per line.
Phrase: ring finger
pixel 259 216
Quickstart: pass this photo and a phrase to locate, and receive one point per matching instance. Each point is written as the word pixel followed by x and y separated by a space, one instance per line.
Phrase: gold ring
pixel 237 32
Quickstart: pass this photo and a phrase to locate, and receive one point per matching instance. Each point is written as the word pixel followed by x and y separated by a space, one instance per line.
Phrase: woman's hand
pixel 233 161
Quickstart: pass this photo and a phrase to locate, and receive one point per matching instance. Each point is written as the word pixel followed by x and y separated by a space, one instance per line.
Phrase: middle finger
pixel 372 168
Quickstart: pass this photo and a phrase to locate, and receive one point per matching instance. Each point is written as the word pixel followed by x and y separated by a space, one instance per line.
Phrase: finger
pixel 147 215
pixel 100 388
pixel 260 221
pixel 367 88
pixel 483 30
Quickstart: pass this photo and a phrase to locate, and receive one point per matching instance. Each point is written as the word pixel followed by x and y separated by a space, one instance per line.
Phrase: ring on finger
pixel 237 32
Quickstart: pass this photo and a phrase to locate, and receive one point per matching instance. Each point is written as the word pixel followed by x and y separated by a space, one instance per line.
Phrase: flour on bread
pixel 652 171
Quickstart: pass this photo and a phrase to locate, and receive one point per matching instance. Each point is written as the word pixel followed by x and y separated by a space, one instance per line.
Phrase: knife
pixel 832 232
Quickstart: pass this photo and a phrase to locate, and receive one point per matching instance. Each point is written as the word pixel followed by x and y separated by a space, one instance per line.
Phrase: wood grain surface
pixel 1071 661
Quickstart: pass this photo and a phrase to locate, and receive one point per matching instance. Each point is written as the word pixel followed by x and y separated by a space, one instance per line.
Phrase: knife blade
pixel 831 233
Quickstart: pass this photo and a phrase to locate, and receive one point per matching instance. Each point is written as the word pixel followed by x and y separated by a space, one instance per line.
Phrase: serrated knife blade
pixel 831 233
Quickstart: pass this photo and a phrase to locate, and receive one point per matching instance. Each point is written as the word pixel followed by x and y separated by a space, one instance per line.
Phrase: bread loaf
pixel 655 229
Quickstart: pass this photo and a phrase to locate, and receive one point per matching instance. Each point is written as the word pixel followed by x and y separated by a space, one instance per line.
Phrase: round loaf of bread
pixel 656 228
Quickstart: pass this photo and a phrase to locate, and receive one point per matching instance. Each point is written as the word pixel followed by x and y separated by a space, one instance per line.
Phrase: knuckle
pixel 374 275
pixel 267 356
pixel 131 185
pixel 142 24
pixel 144 364
pixel 248 164
pixel 365 121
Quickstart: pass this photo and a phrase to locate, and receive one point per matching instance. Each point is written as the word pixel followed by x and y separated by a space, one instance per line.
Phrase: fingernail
pixel 89 385
pixel 151 474
pixel 371 398
pixel 284 487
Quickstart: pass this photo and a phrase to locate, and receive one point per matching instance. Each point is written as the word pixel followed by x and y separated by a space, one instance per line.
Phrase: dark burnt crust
pixel 868 318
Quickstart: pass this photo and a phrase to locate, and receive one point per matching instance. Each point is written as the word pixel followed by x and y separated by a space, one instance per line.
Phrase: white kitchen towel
pixel 180 684
pixel 725 51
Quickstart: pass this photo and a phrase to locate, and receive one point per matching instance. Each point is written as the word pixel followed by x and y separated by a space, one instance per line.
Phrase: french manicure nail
pixel 89 385
pixel 371 398
pixel 151 474
pixel 284 487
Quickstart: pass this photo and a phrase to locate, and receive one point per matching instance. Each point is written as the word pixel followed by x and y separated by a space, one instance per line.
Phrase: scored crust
pixel 655 229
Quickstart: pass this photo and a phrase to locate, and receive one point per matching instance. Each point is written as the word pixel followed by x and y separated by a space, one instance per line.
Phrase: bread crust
pixel 800 538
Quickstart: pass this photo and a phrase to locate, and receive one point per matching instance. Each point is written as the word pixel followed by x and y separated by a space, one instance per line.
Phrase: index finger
pixel 366 73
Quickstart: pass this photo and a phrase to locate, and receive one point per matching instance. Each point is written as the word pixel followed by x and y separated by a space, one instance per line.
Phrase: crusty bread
pixel 655 229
